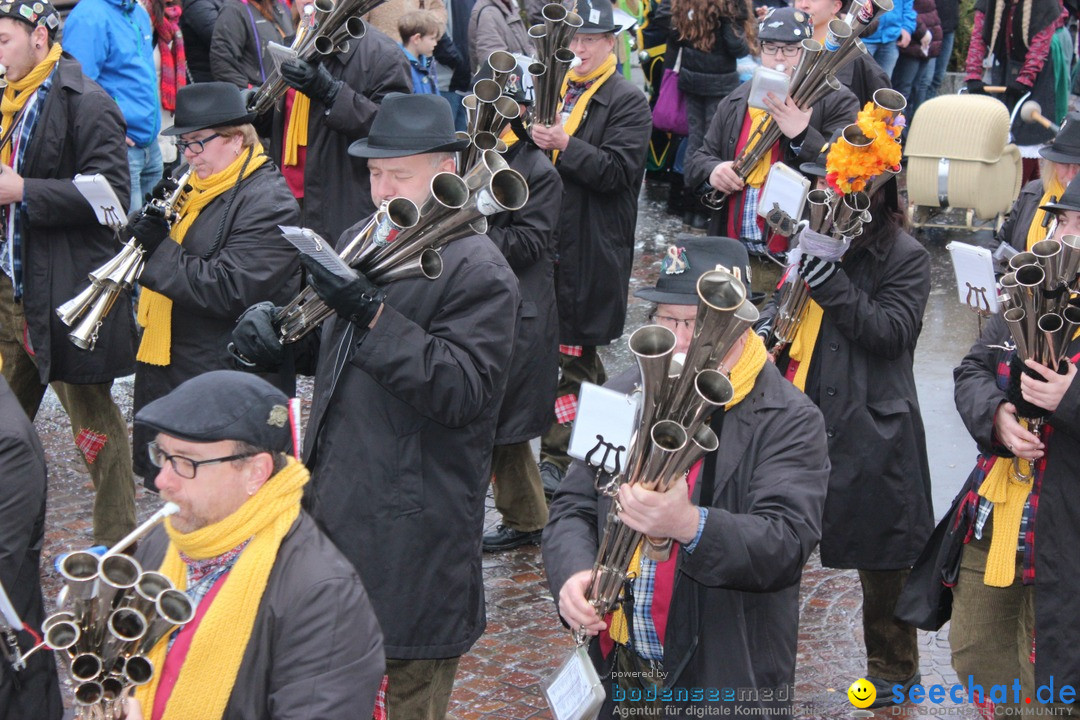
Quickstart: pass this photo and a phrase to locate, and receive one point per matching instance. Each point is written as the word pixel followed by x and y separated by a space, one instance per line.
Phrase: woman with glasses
pixel 223 253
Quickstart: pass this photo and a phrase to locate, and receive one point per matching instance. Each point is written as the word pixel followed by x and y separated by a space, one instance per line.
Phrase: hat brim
pixel 814 169
pixel 1059 207
pixel 362 149
pixel 185 129
pixel 1057 156
pixel 598 30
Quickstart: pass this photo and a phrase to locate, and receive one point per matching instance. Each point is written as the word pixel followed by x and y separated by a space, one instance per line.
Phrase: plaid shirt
pixel 11 240
pixel 749 229
pixel 202 575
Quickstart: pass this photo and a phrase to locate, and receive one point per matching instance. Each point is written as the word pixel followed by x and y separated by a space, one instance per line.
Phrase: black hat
pixel 223 405
pixel 1065 147
pixel 816 167
pixel 207 105
pixel 33 13
pixel 786 25
pixel 688 260
pixel 1069 200
pixel 597 17
pixel 409 125
pixel 519 83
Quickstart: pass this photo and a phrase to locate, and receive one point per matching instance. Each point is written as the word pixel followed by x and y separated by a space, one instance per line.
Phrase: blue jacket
pixel 113 41
pixel 901 17
pixel 424 80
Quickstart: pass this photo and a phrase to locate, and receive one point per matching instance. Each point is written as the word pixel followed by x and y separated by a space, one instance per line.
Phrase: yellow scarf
pixel 155 310
pixel 206 679
pixel 802 347
pixel 1008 495
pixel 743 376
pixel 757 175
pixel 296 134
pixel 1036 231
pixel 600 75
pixel 18 92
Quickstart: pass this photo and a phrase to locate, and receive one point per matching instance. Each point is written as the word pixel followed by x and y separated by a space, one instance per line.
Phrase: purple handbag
pixel 669 113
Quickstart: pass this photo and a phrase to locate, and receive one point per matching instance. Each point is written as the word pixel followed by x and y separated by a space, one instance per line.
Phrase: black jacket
pixel 36 691
pixel 315 649
pixel 862 76
pixel 602 169
pixel 1014 231
pixel 399 443
pixel 831 113
pixel 226 264
pixel 713 73
pixel 337 190
pixel 80 130
pixel 527 239
pixel 238 50
pixel 734 615
pixel 197 23
pixel 879 511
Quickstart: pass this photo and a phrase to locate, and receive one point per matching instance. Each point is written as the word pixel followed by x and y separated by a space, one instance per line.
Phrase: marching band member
pixel 282 628
pixel 408 384
pixel 745 520
pixel 64 124
pixel 226 251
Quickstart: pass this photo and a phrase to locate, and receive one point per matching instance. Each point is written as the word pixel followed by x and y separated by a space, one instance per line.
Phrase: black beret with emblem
pixel 785 25
pixel 688 259
pixel 223 405
pixel 33 13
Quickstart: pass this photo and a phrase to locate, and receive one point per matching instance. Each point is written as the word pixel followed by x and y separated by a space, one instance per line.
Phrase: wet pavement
pixel 524 641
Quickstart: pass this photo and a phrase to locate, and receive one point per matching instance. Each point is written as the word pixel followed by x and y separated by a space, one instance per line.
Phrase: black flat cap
pixel 206 105
pixel 786 25
pixel 223 405
pixel 687 260
pixel 409 125
pixel 1065 147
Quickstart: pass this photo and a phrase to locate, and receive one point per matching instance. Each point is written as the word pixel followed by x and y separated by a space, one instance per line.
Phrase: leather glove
pixel 815 271
pixel 165 186
pixel 313 80
pixel 255 343
pixel 1014 91
pixel 149 229
pixel 976 87
pixel 357 299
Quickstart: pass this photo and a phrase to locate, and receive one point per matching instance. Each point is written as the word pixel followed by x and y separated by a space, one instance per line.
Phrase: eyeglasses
pixel 788 51
pixel 196 146
pixel 587 40
pixel 674 323
pixel 186 467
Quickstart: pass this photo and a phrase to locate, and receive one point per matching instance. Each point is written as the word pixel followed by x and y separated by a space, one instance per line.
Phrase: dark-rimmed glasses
pixel 196 146
pixel 788 51
pixel 186 467
pixel 674 323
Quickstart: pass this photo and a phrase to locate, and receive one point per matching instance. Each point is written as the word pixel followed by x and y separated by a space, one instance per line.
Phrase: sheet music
pixel 310 243
pixel 975 283
pixel 787 189
pixel 604 423
pixel 97 191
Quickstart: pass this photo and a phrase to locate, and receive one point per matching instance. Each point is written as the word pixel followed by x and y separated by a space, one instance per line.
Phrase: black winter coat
pixel 80 130
pixel 399 443
pixel 197 23
pixel 1014 230
pixel 602 169
pixel 36 693
pixel 713 73
pixel 238 50
pixel 734 616
pixel 862 76
pixel 527 239
pixel 211 282
pixel 831 113
pixel 315 648
pixel 879 513
pixel 1057 582
pixel 337 189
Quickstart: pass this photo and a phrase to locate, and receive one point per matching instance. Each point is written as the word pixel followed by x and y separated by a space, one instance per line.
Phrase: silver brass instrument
pixel 672 431
pixel 488 111
pixel 112 614
pixel 87 311
pixel 325 28
pixel 813 78
pixel 552 41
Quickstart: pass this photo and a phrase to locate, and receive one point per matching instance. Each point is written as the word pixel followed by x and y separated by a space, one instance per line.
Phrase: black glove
pixel 976 87
pixel 1014 91
pixel 357 299
pixel 165 186
pixel 315 81
pixel 255 343
pixel 149 229
pixel 815 271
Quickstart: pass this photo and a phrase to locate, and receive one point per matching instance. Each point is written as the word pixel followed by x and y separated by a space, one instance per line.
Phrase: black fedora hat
pixel 1065 147
pixel 687 260
pixel 409 125
pixel 1069 200
pixel 597 17
pixel 207 105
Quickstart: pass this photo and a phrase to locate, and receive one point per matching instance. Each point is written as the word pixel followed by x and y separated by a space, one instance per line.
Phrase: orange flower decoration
pixel 849 168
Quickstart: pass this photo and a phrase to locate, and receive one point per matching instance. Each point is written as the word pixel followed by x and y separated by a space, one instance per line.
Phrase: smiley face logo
pixel 862 693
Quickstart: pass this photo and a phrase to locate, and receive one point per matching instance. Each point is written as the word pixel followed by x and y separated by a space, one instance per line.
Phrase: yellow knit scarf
pixel 18 92
pixel 206 679
pixel 600 75
pixel 757 175
pixel 1008 494
pixel 743 376
pixel 297 133
pixel 1036 231
pixel 802 347
pixel 155 310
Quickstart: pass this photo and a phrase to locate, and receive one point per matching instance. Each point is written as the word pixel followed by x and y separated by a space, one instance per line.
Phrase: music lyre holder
pixel 977 300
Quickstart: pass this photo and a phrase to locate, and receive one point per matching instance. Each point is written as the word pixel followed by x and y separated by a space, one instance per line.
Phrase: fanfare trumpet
pixel 401 241
pixel 112 614
pixel 88 310
pixel 552 40
pixel 672 431
pixel 487 111
pixel 813 78
pixel 325 28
